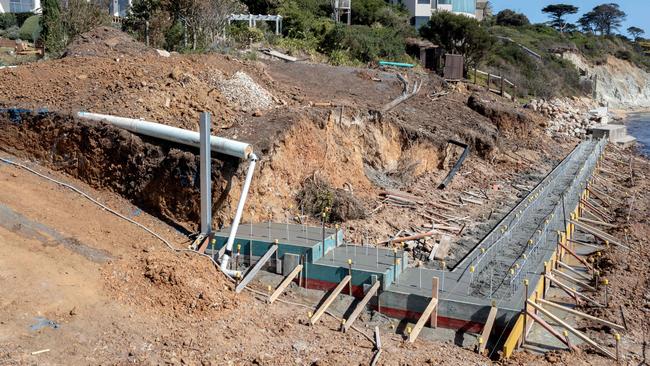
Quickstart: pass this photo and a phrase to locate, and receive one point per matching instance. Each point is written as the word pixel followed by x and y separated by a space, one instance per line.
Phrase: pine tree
pixel 52 26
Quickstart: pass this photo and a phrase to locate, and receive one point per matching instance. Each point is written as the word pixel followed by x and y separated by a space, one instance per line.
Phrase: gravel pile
pixel 243 91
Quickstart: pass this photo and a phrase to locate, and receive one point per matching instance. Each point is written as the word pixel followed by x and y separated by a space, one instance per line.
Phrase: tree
pixel 261 6
pixel 586 23
pixel 635 32
pixel 139 16
pixel 52 32
pixel 557 12
pixel 605 18
pixel 80 16
pixel 511 18
pixel 458 34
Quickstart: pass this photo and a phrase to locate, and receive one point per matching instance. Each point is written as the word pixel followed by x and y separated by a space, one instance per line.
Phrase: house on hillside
pixel 421 10
pixel 119 8
pixel 20 6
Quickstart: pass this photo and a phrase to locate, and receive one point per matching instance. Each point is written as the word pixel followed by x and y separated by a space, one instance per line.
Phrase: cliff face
pixel 621 85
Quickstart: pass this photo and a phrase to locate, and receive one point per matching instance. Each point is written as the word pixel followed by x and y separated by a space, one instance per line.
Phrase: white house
pixel 421 10
pixel 20 6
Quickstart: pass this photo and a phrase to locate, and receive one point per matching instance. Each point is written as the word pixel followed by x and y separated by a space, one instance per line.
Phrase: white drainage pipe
pixel 220 145
pixel 235 223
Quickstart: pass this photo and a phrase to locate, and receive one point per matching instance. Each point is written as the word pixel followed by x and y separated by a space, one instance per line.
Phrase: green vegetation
pixel 11 23
pixel 511 18
pixel 552 75
pixel 605 19
pixel 558 12
pixel 31 29
pixel 57 26
pixel 458 34
pixel 362 43
pixel 379 30
pixel 8 20
pixel 635 32
pixel 52 27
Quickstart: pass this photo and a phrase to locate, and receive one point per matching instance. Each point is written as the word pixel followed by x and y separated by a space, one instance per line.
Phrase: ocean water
pixel 638 125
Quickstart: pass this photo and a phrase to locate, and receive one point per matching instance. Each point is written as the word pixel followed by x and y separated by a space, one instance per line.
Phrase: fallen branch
pixel 411 237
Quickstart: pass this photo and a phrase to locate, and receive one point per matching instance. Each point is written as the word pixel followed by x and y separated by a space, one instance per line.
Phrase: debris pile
pixel 567 116
pixel 107 42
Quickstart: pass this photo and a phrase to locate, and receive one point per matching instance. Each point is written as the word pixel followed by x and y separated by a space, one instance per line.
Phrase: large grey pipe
pixel 218 144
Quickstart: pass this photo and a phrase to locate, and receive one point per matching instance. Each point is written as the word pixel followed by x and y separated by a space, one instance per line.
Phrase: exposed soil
pixel 158 177
pixel 106 42
pixel 148 305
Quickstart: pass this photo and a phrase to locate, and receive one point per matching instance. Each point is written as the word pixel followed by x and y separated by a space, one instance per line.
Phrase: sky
pixel 638 11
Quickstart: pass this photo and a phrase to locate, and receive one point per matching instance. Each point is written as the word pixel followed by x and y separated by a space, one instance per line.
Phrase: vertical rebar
pixel 377 261
pixel 350 274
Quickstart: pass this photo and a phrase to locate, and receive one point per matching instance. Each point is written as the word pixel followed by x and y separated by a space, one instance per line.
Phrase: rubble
pixel 566 116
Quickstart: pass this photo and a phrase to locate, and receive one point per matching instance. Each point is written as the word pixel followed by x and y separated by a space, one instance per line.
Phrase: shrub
pixel 11 33
pixel 241 33
pixel 510 18
pixel 364 43
pixel 8 20
pixel 31 29
pixel 302 17
pixel 22 17
pixel 624 55
pixel 52 27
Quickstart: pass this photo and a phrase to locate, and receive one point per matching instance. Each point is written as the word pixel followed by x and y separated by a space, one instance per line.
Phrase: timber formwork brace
pixel 405 292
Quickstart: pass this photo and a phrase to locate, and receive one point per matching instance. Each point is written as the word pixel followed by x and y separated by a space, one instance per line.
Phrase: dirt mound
pixel 107 42
pixel 179 285
pixel 507 118
pixel 154 88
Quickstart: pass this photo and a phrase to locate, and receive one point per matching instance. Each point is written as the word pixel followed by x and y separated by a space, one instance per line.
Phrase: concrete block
pixel 289 262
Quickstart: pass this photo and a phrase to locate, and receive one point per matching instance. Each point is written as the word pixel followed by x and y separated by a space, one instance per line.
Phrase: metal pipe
pixel 191 138
pixel 218 144
pixel 235 224
pixel 206 175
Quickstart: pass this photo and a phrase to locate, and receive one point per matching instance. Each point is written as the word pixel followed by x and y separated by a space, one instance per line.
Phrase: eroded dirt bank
pixel 361 155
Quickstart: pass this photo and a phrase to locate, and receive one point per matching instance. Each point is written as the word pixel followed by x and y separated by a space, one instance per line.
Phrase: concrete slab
pixel 615 133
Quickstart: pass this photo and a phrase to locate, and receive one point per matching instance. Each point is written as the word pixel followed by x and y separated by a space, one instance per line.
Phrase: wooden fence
pixel 499 82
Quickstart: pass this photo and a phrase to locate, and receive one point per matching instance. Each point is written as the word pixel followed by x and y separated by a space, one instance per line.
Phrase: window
pixel 427 2
pixel 464 6
pixel 21 6
pixel 420 21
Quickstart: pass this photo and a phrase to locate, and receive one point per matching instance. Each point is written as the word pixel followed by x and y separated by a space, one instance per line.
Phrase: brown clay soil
pixel 145 304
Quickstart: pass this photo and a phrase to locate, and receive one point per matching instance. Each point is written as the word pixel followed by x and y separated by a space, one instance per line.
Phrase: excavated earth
pixel 322 125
